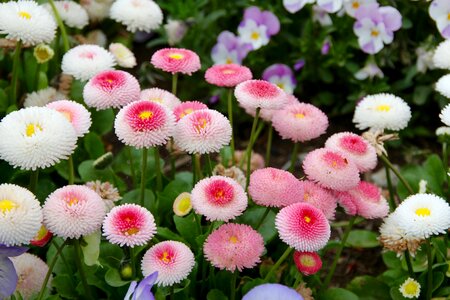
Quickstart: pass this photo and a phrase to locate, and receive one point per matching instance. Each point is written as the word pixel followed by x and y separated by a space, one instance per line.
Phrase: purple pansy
pixel 8 276
pixel 299 64
pixel 321 16
pixel 229 49
pixel 330 6
pixel 351 6
pixel 294 6
pixel 325 47
pixel 440 12
pixel 272 291
pixel 282 76
pixel 257 27
pixel 143 289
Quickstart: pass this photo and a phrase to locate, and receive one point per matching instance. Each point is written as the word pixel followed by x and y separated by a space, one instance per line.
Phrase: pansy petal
pixel 11 251
pixel 253 13
pixel 392 18
pixel 143 290
pixel 130 291
pixel 8 278
pixel 271 21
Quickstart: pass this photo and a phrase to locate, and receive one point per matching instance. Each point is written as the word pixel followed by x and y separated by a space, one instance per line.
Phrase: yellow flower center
pixel 280 85
pixel 229 61
pixel 234 239
pixel 423 212
pixel 448 16
pixel 186 112
pixel 355 4
pixel 7 205
pixel 307 219
pixel 31 129
pixel 307 260
pixel 299 116
pixel 383 107
pixel 184 205
pixel 228 71
pixel 145 115
pixel 374 33
pixel 73 201
pixel 166 257
pixel 132 231
pixel 411 288
pixel 254 35
pixel 201 124
pixel 176 56
pixel 24 15
pixel 305 196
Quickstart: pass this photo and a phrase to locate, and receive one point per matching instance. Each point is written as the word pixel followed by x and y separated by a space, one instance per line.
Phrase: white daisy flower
pixel 36 137
pixel 445 115
pixel 124 57
pixel 253 34
pixel 143 15
pixel 42 97
pixel 84 61
pixel 20 215
pixel 443 85
pixel 441 57
pixel 71 13
pixel 382 111
pixel 410 288
pixel 370 70
pixel 97 9
pixel 31 271
pixel 443 130
pixel 26 21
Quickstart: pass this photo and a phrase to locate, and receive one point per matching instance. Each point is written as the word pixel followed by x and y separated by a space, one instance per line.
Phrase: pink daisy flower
pixel 176 60
pixel 203 131
pixel 331 169
pixel 234 246
pixel 364 200
pixel 227 75
pixel 300 122
pixel 172 260
pixel 260 93
pixel 308 263
pixel 111 89
pixel 274 187
pixel 219 198
pixel 354 147
pixel 185 108
pixel 161 96
pixel 130 225
pixel 267 114
pixel 303 227
pixel 77 114
pixel 321 198
pixel 144 124
pixel 73 211
pixel 31 271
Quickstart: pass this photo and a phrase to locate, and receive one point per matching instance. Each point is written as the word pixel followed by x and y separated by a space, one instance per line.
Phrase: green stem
pixel 15 72
pixel 133 262
pixel 397 173
pixel 233 285
pixel 36 77
pixel 172 160
pixel 158 170
pixel 172 293
pixel 71 170
pixel 338 253
pixel 79 262
pixel 61 26
pixel 266 212
pixel 194 175
pixel 50 269
pixel 199 222
pixel 286 253
pixel 174 83
pixel 143 173
pixel 198 168
pixel 429 271
pixel 269 145
pixel 209 165
pixel 445 163
pixel 297 280
pixel 294 157
pixel 248 153
pixel 34 176
pixel 390 188
pixel 133 171
pixel 230 117
pixel 409 264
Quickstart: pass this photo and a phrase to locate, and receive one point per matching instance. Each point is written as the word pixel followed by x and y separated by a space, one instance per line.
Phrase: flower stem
pixel 158 170
pixel 233 285
pixel 445 163
pixel 174 83
pixel 209 165
pixel 34 176
pixel 409 264
pixel 429 271
pixel 198 168
pixel 390 188
pixel 133 262
pixel 36 77
pixel 143 172
pixel 294 157
pixel 261 221
pixel 286 253
pixel 15 71
pixel 194 175
pixel 71 170
pixel 230 117
pixel 269 145
pixel 248 153
pixel 79 262
pixel 172 159
pixel 397 173
pixel 61 26
pixel 133 171
pixel 298 279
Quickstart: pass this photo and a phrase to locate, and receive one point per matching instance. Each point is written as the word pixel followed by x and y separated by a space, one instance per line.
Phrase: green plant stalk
pixel 172 292
pixel 409 264
pixel 286 253
pixel 133 262
pixel 143 172
pixel 261 221
pixel 198 168
pixel 390 188
pixel 429 271
pixel 338 253
pixel 209 164
pixel 233 285
pixel 133 171
pixel 445 163
pixel 172 160
pixel 174 83
pixel 34 176
pixel 298 279
pixel 158 170
pixel 61 26
pixel 198 220
pixel 294 157
pixel 397 173
pixel 248 153
pixel 269 145
pixel 194 176
pixel 230 117
pixel 79 262
pixel 36 77
pixel 71 170
pixel 15 72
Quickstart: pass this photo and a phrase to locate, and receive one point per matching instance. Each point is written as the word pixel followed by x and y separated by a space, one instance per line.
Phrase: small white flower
pixel 283 82
pixel 410 288
pixel 224 56
pixel 441 57
pixel 294 6
pixel 371 36
pixel 320 15
pixel 371 70
pixel 31 271
pixel 124 57
pixel 97 9
pixel 424 60
pixel 330 6
pixel 175 30
pixel 143 15
pixel 71 13
pixel 439 11
pixel 443 85
pixel 445 115
pixel 253 34
pixel 443 130
pixel 42 97
pixel 422 186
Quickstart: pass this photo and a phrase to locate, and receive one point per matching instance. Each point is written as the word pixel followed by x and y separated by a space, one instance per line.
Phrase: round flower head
pixel 267 114
pixel 410 288
pixel 423 215
pixel 308 263
pixel 111 89
pixel 319 197
pixel 356 148
pixel 300 122
pixel 443 85
pixel 445 115
pixel 97 9
pixel 75 113
pixel 42 97
pixel 182 204
pixel 185 108
pixel 124 57
pixel 142 15
pixel 73 211
pixel 106 191
pixel 234 246
pixel 331 169
pixel 172 260
pixel 364 200
pixel 218 198
pixel 227 75
pixel 71 13
pixel 161 96
pixel 303 227
pixel 36 137
pixel 259 93
pixel 26 21
pixel 31 271
pixel 20 215
pixel 84 61
pixel 43 53
pixel 441 57
pixel 274 187
pixel 272 291
pixel 129 225
pixel 382 111
pixel 144 124
pixel 203 131
pixel 176 60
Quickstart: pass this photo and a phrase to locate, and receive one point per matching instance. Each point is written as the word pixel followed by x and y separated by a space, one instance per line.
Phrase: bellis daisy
pixel 259 93
pixel 441 57
pixel 31 271
pixel 43 53
pixel 182 204
pixel 71 13
pixel 42 237
pixel 227 75
pixel 234 246
pixel 97 9
pixel 445 115
pixel 142 15
pixel 42 97
pixel 172 260
pixel 272 291
pixel 185 108
pixel 410 288
pixel 73 211
pixel 75 113
pixel 321 198
pixel 176 60
pixel 106 191
pixel 124 57
pixel 161 96
pixel 443 85
pixel 308 263
pixel 267 114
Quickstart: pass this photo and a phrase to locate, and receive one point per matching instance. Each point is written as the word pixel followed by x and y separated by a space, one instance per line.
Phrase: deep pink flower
pixel 186 108
pixel 259 93
pixel 308 263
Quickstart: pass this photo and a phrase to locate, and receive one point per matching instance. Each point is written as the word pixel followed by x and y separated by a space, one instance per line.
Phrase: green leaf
pixel 89 173
pixel 251 284
pixel 337 294
pixel 421 94
pixel 187 227
pixel 134 197
pixel 167 234
pixel 112 255
pixel 64 287
pixel 252 216
pixel 102 121
pixel 42 80
pixel 91 250
pixel 361 284
pixel 390 276
pixel 362 239
pixel 112 277
pixel 171 191
pixel 216 295
pixel 76 90
pixel 391 260
pixel 93 145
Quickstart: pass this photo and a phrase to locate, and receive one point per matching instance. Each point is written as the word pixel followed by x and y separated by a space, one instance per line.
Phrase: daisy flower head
pixel 43 53
pixel 84 61
pixel 382 111
pixel 124 57
pixel 303 227
pixel 273 291
pixel 31 271
pixel 443 85
pixel 161 96
pixel 71 13
pixel 203 131
pixel 356 148
pixel 37 137
pixel 300 122
pixel 331 169
pixel 308 263
pixel 410 288
pixel 176 60
pixel 185 108
pixel 282 76
pixel 316 195
pixel 142 15
pixel 227 75
pixel 445 115
pixel 26 21
pixel 20 215
pixel 144 124
pixel 106 191
pixel 111 89
pixel 75 113
pixel 172 260
pixel 234 246
pixel 267 114
pixel 219 198
pixel 97 9
pixel 130 225
pixel 182 205
pixel 260 93
pixel 42 97
pixel 441 56
pixel 73 211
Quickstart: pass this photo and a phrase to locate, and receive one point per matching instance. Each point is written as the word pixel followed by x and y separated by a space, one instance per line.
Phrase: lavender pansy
pixel 321 16
pixel 330 6
pixel 299 64
pixel 325 47
pixel 440 12
pixel 294 6
pixel 282 76
pixel 272 291
pixel 143 289
pixel 254 34
pixel 229 49
pixel 351 6
pixel 265 18
pixel 8 276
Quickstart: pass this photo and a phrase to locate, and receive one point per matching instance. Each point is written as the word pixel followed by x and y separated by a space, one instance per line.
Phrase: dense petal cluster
pixel 42 97
pixel 321 198
pixel 71 13
pixel 441 56
pixel 124 57
pixel 443 85
pixel 176 60
pixel 185 108
pixel 227 75
pixel 260 93
pixel 31 271
pixel 445 115
pixel 142 15
pixel 75 113
pixel 308 263
pixel 161 96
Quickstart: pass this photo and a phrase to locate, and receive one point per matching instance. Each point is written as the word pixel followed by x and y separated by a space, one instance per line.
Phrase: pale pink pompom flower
pixel 267 114
pixel 31 271
pixel 160 96
pixel 321 198
pixel 260 94
pixel 308 263
pixel 77 114
pixel 234 246
pixel 227 75
pixel 186 108
pixel 111 89
pixel 176 60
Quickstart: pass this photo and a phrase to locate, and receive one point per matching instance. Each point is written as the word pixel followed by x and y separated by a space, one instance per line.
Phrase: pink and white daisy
pixel 31 271
pixel 300 122
pixel 274 187
pixel 234 246
pixel 77 114
pixel 303 227
pixel 331 169
pixel 172 260
pixel 259 93
pixel 73 211
pixel 267 114
pixel 308 263
pixel 355 147
pixel 124 56
pixel 227 75
pixel 319 197
pixel 186 108
pixel 111 89
pixel 130 225
pixel 176 60
pixel 203 131
pixel 144 124
pixel 219 198
pixel 161 96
